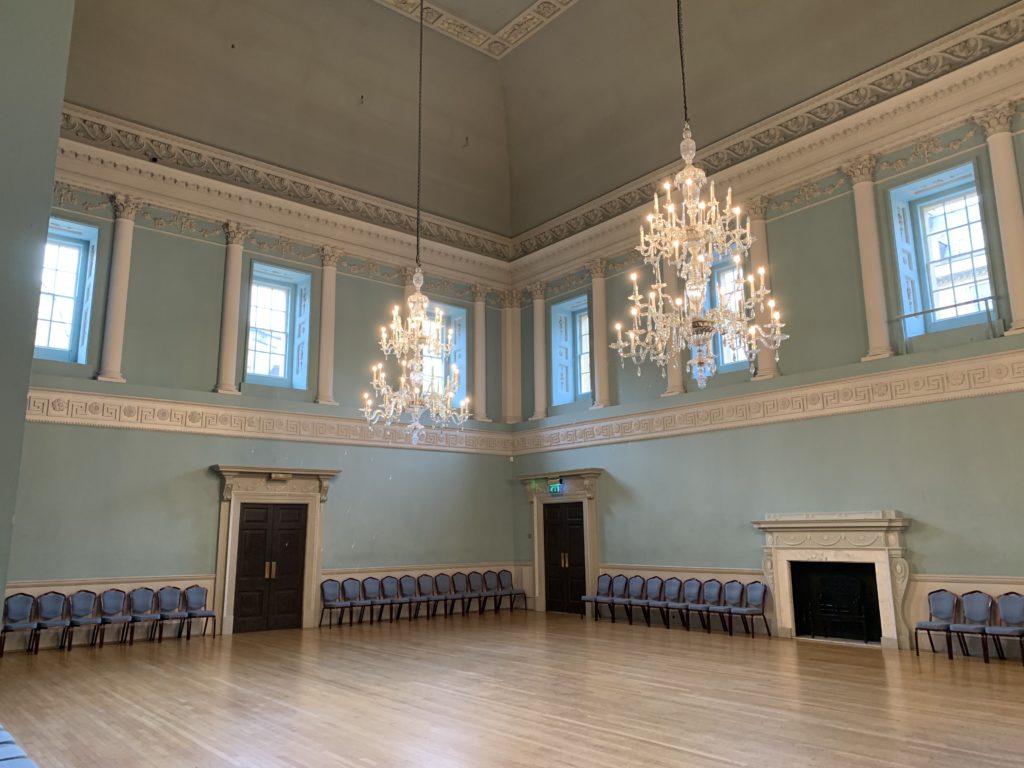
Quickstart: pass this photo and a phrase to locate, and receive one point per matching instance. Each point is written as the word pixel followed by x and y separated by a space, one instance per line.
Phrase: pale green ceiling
pixel 590 102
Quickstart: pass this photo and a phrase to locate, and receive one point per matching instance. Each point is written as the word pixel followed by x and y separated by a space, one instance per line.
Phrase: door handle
pixel 565 559
pixel 266 569
pixel 273 569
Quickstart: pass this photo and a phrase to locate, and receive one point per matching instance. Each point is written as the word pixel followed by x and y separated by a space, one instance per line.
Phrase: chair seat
pixel 53 623
pixel 119 619
pixel 748 611
pixel 941 626
pixel 1005 631
pixel 206 613
pixel 86 621
pixel 362 603
pixel 720 608
pixel 401 600
pixel 658 603
pixel 327 604
pixel 11 751
pixel 5 737
pixel 975 628
pixel 145 617
pixel 20 762
pixel 173 615
pixel 621 600
pixel 595 599
pixel 698 606
pixel 422 598
pixel 439 598
pixel 17 626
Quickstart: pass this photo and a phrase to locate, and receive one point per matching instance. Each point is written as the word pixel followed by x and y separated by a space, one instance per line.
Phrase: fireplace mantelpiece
pixel 852 537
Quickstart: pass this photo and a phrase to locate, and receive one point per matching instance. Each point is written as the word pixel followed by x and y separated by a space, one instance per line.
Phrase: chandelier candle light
pixel 412 341
pixel 690 234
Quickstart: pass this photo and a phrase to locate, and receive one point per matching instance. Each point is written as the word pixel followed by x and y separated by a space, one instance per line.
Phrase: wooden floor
pixel 520 690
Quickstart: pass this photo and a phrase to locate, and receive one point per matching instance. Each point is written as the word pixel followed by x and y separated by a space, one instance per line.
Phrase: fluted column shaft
pixel 328 290
pixel 125 209
pixel 479 403
pixel 540 352
pixel 862 174
pixel 511 358
pixel 599 333
pixel 767 368
pixel 227 362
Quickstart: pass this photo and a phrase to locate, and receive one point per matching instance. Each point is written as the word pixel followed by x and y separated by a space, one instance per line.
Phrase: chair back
pixel 712 592
pixel 83 604
pixel 389 587
pixel 51 605
pixel 505 579
pixel 604 584
pixel 371 588
pixel 691 591
pixel 195 597
pixel 18 608
pixel 141 600
pixel 734 593
pixel 407 586
pixel 425 583
pixel 459 582
pixel 476 581
pixel 350 589
pixel 636 587
pixel 442 584
pixel 755 595
pixel 653 587
pixel 490 581
pixel 619 585
pixel 330 590
pixel 1011 609
pixel 169 599
pixel 977 607
pixel 112 602
pixel 941 605
pixel 673 587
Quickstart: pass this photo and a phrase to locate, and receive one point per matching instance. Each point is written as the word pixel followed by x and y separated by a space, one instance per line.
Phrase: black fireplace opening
pixel 836 600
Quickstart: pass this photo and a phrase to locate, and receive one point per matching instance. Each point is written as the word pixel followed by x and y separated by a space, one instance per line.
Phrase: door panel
pixel 564 557
pixel 271 566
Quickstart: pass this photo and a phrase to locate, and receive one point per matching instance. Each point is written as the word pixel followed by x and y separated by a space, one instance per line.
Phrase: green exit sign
pixel 556 489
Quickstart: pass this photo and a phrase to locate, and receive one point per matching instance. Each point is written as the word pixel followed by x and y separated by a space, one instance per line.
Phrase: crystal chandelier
pixel 415 341
pixel 689 234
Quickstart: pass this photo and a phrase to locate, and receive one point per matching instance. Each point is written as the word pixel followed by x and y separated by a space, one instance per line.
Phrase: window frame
pixel 461 342
pixel 579 315
pixel 573 309
pixel 719 266
pixel 291 281
pixel 77 351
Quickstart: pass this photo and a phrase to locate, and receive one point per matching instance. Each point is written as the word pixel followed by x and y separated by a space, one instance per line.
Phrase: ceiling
pixel 588 101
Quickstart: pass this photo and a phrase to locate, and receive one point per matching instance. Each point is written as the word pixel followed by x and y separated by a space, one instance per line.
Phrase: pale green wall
pixel 34 39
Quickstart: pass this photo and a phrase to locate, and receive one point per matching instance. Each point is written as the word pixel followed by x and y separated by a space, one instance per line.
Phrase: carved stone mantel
pixel 579 485
pixel 864 537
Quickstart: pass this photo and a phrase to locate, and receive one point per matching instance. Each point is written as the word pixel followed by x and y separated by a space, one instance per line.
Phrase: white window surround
pixel 568 355
pixel 275 485
pixel 267 284
pixel 847 537
pixel 65 299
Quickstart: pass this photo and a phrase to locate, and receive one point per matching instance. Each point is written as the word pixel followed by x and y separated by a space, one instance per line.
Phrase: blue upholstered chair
pixel 168 604
pixel 508 589
pixel 407 595
pixel 442 595
pixel 492 591
pixel 12 754
pixel 733 592
pixel 425 594
pixel 977 609
pixel 475 592
pixel 142 606
pixel 941 612
pixel 756 593
pixel 652 592
pixel 18 617
pixel 691 597
pixel 330 600
pixel 114 612
pixel 52 613
pixel 371 596
pixel 1011 622
pixel 388 595
pixel 634 591
pixel 83 613
pixel 602 594
pixel 460 588
pixel 711 595
pixel 669 601
pixel 352 596
pixel 617 594
pixel 195 607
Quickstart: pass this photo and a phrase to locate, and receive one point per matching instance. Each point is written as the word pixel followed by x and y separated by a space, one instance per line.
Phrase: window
pixel 65 297
pixel 277 344
pixel 435 372
pixel 726 289
pixel 570 350
pixel 941 252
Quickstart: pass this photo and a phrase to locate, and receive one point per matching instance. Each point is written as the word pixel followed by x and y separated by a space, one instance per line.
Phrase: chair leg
pixel 131 634
pixel 949 645
pixel 730 625
pixel 160 631
pixel 629 613
pixel 917 645
pixel 70 638
pixel 999 648
pixel 984 647
pixel 963 644
pixel 931 641
pixel 721 618
pixel 767 628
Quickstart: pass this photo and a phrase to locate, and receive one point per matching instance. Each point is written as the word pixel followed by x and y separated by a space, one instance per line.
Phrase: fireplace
pixel 836 600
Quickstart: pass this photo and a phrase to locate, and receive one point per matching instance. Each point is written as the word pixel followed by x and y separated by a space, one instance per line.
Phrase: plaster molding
pixel 997 118
pixel 937 382
pixel 861 169
pixel 537 290
pixel 236 233
pixel 329 256
pixel 480 292
pixel 496 44
pixel 597 268
pixel 758 207
pixel 125 207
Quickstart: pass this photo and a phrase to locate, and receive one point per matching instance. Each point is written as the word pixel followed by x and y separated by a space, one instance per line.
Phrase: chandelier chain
pixel 682 58
pixel 419 139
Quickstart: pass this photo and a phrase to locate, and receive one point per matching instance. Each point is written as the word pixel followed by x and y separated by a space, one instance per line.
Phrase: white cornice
pixel 971 377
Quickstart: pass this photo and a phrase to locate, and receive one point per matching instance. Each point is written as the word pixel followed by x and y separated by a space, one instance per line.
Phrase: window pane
pixel 956 215
pixel 960 240
pixel 67 260
pixel 42 333
pixel 934 220
pixel 63 309
pixel 938 247
pixel 60 336
pixel 45 306
pixel 268 344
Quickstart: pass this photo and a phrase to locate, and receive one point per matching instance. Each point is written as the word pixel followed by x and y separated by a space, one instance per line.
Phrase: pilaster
pixel 328 289
pixel 599 332
pixel 540 351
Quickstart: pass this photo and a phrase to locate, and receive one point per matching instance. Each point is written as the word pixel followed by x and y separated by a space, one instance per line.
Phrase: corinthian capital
pixel 235 232
pixel 597 268
pixel 328 255
pixel 861 169
pixel 758 207
pixel 537 290
pixel 125 207
pixel 997 118
pixel 480 292
pixel 512 299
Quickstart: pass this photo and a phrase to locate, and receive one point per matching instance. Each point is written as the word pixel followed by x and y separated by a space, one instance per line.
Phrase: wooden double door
pixel 565 563
pixel 271 567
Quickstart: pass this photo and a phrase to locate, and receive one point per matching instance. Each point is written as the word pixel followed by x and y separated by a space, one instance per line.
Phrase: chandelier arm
pixel 419 140
pixel 682 58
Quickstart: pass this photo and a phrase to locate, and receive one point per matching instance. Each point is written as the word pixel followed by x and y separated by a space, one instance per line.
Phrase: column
pixel 125 209
pixel 599 329
pixel 227 363
pixel 328 289
pixel 767 368
pixel 674 371
pixel 511 358
pixel 996 123
pixel 862 173
pixel 540 352
pixel 478 405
